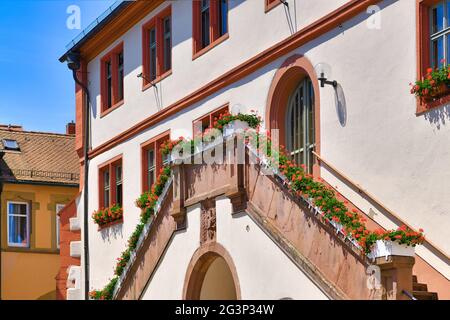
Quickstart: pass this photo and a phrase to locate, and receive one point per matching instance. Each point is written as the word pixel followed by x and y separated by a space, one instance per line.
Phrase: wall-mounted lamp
pixel 141 75
pixel 323 72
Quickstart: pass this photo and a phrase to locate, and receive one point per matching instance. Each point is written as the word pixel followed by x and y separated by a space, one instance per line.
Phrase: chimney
pixel 70 128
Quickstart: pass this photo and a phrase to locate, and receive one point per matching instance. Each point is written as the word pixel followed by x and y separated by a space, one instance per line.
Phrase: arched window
pixel 300 129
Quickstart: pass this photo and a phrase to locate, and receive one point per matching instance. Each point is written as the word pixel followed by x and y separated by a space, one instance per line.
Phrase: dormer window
pixel 10 144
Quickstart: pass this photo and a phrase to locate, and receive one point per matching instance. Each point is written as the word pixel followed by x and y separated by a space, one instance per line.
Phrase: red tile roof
pixel 43 157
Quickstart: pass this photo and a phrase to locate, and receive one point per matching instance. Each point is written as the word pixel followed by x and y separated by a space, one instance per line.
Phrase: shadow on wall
pixel 114 231
pixel 438 116
pixel 341 105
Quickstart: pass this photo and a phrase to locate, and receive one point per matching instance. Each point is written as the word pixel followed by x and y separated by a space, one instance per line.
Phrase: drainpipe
pixel 73 63
pixel 1 250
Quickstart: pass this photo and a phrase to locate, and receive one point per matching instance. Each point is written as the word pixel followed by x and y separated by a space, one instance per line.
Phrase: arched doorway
pixel 211 275
pixel 293 107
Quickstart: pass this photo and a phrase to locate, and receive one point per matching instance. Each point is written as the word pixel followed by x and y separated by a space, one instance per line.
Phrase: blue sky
pixel 36 90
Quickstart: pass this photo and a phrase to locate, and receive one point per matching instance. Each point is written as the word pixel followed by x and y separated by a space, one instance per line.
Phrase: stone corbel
pixel 236 170
pixel 179 194
pixel 396 276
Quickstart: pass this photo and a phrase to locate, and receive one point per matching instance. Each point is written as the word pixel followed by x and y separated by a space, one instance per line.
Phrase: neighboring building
pixel 39 175
pixel 152 68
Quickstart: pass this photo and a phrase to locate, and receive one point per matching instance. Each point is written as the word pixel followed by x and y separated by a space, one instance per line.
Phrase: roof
pixel 94 27
pixel 41 158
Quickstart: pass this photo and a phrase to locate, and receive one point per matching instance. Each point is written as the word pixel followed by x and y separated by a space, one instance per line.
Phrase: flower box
pixel 106 217
pixel 384 248
pixel 438 92
pixel 110 224
pixel 235 126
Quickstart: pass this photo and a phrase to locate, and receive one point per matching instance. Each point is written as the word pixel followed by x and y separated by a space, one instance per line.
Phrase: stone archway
pixel 211 275
pixel 293 70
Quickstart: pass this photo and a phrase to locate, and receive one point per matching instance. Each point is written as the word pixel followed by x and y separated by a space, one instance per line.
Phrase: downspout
pixel 1 217
pixel 73 63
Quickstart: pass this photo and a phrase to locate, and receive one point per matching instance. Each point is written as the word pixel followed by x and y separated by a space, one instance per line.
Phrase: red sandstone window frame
pixel 423 52
pixel 157 23
pixel 112 57
pixel 214 30
pixel 110 166
pixel 270 4
pixel 152 144
pixel 208 119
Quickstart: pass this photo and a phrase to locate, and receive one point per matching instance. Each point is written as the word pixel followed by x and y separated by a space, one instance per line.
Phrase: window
pixel 207 121
pixel 111 183
pixel 18 224
pixel 210 24
pixel 271 4
pixel 152 160
pixel 433 35
pixel 157 48
pixel 112 79
pixel 59 207
pixel 10 144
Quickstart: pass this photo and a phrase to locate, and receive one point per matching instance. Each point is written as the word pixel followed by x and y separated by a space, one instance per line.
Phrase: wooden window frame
pixel 154 143
pixel 111 56
pixel 214 37
pixel 8 214
pixel 110 165
pixel 424 53
pixel 157 23
pixel 270 4
pixel 209 117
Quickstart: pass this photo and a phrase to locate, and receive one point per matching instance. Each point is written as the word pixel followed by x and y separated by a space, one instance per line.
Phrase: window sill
pixel 110 224
pixel 114 107
pixel 29 250
pixel 210 46
pixel 425 106
pixel 272 5
pixel 147 85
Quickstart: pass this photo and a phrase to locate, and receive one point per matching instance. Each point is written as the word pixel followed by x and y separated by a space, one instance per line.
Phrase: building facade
pixel 38 177
pixel 153 68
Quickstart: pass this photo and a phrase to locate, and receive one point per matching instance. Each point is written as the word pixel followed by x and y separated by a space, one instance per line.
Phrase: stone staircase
pixel 420 291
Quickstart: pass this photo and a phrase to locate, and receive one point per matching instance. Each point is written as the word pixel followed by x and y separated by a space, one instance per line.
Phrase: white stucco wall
pixel 397 156
pixel 264 271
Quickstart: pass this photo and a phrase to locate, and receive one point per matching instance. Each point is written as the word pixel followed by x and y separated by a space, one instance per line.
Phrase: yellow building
pixel 38 177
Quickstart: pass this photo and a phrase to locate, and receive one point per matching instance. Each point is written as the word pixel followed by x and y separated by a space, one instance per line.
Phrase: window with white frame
pixel 18 225
pixel 59 207
pixel 440 33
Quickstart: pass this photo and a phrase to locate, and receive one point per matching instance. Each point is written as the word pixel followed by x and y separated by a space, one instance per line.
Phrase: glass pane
pixel 447 49
pixel 167 45
pixel 18 208
pixel 106 178
pixel 151 178
pixel 106 198
pixel 119 194
pixel 223 17
pixel 151 159
pixel 152 54
pixel 118 174
pixel 17 230
pixel 121 76
pixel 437 51
pixel 437 18
pixel 205 23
